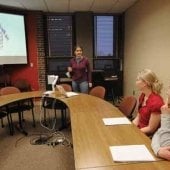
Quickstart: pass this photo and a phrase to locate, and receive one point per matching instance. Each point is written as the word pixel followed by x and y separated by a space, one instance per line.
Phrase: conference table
pixel 91 138
pixel 17 97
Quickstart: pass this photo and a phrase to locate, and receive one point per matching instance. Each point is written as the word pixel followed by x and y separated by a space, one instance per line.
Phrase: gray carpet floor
pixel 18 153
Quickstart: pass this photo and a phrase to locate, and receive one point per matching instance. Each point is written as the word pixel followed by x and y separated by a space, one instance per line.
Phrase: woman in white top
pixel 161 139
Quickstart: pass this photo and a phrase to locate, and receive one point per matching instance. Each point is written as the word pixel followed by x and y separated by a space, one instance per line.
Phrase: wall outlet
pixel 31 64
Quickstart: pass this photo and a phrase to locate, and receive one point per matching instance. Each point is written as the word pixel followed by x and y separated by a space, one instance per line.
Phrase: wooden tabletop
pixel 163 165
pixel 91 138
pixel 6 99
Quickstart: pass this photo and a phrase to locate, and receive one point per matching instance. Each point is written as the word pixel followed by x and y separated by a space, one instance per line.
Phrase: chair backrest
pixel 98 91
pixel 127 106
pixel 23 85
pixel 4 79
pixel 9 90
pixel 67 87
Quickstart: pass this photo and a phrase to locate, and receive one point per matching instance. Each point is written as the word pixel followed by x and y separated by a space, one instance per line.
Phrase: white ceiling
pixel 97 6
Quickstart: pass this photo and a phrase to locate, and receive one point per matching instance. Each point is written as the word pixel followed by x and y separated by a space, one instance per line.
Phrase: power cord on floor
pixel 57 136
pixel 40 139
pixel 33 134
pixel 51 138
pixel 52 120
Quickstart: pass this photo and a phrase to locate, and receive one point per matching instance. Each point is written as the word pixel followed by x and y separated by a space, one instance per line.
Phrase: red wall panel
pixel 30 70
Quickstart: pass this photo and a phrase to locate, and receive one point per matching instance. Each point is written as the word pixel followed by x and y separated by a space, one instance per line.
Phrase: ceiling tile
pixel 57 5
pixel 80 5
pixel 33 4
pixel 11 3
pixel 122 5
pixel 103 5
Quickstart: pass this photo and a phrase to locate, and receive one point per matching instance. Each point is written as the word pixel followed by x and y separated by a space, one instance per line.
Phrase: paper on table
pixel 70 94
pixel 48 92
pixel 131 153
pixel 116 121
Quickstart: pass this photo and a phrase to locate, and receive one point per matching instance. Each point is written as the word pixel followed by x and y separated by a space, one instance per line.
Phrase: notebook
pixel 131 153
pixel 116 121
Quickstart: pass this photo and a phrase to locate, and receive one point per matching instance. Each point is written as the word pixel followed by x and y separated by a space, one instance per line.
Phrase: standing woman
pixel 80 71
pixel 150 102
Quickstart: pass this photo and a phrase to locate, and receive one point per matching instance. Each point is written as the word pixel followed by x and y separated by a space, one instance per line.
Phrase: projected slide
pixel 12 39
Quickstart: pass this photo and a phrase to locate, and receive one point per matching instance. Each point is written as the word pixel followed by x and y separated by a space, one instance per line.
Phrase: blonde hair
pixel 151 79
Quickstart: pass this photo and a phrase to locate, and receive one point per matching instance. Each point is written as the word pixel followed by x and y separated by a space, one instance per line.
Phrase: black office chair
pixel 24 86
pixel 51 103
pixel 4 114
pixel 16 107
pixel 4 79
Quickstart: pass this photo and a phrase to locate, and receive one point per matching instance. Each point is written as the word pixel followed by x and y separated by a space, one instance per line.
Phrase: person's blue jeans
pixel 82 87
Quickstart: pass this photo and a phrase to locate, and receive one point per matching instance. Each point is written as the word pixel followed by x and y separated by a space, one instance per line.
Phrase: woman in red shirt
pixel 80 71
pixel 150 102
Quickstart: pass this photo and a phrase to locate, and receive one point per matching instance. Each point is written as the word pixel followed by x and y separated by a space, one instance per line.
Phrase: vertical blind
pixel 59 35
pixel 104 36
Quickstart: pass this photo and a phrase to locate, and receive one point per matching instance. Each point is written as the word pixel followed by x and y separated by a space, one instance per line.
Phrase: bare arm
pixel 164 152
pixel 153 124
pixel 136 120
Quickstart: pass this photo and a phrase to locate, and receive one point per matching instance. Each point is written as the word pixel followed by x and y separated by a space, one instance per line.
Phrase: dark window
pixel 58 66
pixel 59 30
pixel 109 66
pixel 104 36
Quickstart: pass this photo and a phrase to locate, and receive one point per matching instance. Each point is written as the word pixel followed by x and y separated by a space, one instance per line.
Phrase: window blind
pixel 59 35
pixel 104 36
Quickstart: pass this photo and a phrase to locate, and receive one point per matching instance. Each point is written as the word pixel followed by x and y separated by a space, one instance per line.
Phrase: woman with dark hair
pixel 80 71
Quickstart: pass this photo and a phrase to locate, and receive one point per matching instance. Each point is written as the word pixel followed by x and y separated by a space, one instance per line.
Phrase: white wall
pixel 147 42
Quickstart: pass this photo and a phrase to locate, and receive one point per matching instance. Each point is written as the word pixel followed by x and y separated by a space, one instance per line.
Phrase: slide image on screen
pixel 12 39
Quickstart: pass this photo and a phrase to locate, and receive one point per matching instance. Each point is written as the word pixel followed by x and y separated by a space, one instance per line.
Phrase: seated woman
pixel 150 102
pixel 161 139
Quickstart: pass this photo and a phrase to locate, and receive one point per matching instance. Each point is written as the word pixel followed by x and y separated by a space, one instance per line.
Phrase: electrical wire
pixel 34 134
pixel 52 137
pixel 53 124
